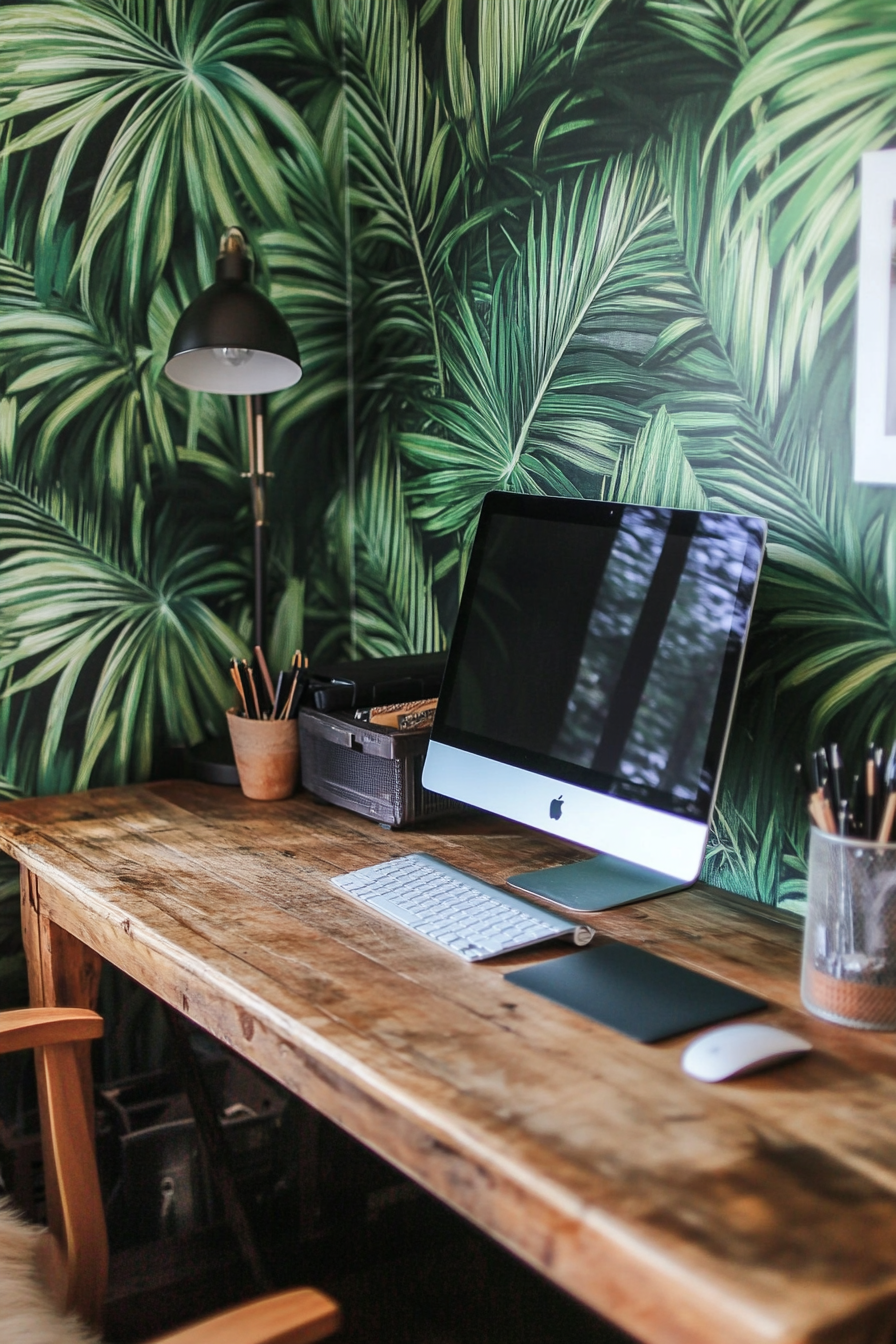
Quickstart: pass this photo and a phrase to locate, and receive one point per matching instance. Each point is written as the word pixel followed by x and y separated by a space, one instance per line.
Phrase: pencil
pixel 234 672
pixel 243 674
pixel 266 676
pixel 870 791
pixel 296 677
pixel 253 690
pixel 889 816
pixel 820 812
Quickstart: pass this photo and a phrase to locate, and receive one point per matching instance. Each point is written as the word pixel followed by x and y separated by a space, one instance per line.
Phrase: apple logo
pixel 556 808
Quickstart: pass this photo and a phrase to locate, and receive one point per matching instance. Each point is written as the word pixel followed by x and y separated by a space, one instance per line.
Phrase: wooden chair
pixel 72 1255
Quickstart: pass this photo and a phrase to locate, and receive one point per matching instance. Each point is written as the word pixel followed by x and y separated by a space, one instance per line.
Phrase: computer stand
pixel 596 884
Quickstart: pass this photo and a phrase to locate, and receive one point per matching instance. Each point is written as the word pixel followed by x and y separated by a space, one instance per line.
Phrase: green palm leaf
pixel 519 44
pixel 310 288
pixel 827 80
pixel 540 401
pixel 9 787
pixel 739 389
pixel 655 470
pixel 18 755
pixel 141 640
pixel 208 425
pixel 186 120
pixel 771 306
pixel 737 365
pixel 376 589
pixel 89 411
pixel 724 30
pixel 397 138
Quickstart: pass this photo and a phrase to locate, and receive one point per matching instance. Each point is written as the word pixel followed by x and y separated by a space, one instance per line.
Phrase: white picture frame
pixel 875 384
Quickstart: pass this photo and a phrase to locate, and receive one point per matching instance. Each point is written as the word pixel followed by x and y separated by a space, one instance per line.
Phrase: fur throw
pixel 27 1315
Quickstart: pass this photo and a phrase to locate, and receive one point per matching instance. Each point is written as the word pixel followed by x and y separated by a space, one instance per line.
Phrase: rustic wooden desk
pixel 763 1210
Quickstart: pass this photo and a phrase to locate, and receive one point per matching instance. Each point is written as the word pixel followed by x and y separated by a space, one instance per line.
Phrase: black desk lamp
pixel 232 340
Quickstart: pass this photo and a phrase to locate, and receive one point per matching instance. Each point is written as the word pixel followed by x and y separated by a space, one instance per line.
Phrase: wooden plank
pixel 762 1210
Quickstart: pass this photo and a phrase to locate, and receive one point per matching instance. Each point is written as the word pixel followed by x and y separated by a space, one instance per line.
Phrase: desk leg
pixel 63 972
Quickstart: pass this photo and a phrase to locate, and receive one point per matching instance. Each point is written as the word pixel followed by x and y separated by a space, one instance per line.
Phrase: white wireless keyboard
pixel 452 908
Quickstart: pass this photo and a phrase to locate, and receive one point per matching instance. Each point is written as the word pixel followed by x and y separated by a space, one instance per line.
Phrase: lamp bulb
pixel 234 355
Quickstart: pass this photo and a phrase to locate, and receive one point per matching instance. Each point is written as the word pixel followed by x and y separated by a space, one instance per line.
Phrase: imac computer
pixel 591 681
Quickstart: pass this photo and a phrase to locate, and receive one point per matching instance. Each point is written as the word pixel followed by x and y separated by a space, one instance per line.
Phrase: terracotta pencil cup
pixel 266 754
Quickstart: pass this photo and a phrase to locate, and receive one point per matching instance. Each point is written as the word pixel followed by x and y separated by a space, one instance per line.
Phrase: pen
pixel 843 817
pixel 279 694
pixel 813 773
pixel 889 807
pixel 821 764
pixel 824 795
pixel 890 770
pixel 246 688
pixel 838 791
pixel 265 674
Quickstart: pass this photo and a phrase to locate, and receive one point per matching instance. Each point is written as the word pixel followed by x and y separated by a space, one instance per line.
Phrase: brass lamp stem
pixel 257 490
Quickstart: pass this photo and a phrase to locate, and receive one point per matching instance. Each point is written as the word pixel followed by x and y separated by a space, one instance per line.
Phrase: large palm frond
pixel 187 121
pixel 309 268
pixel 738 390
pixel 734 365
pixel 141 639
pixel 728 31
pixel 376 589
pixel 17 747
pixel 519 43
pixel 827 81
pixel 89 411
pixel 206 424
pixel 397 139
pixel 538 401
pixel 655 469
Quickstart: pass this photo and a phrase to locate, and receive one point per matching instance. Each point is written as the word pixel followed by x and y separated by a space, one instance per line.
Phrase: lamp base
pixel 212 762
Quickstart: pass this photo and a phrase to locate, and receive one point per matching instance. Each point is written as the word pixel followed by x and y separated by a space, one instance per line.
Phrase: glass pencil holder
pixel 849 939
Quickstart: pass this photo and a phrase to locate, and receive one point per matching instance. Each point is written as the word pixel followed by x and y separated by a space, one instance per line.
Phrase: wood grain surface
pixel 761 1210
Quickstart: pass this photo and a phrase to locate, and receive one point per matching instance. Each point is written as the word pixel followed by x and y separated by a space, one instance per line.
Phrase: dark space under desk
pixel 763 1210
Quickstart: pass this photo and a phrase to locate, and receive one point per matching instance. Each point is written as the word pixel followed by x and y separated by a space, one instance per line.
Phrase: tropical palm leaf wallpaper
pixel 594 247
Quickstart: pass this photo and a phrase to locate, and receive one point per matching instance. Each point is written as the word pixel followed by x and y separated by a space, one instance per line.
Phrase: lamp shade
pixel 232 339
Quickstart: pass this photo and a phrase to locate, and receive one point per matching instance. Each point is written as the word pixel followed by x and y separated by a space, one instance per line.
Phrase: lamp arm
pixel 258 491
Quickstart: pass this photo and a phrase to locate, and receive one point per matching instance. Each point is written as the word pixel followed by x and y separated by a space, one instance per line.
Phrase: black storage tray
pixel 367 768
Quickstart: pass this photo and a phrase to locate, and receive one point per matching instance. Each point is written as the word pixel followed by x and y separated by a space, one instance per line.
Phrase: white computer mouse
pixel 739 1048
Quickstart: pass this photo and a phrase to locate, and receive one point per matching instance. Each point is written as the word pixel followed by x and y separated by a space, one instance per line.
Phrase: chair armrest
pixel 25 1028
pixel 299 1316
pixel 75 1264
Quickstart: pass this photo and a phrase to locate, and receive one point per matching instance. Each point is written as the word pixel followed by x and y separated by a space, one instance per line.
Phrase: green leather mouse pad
pixel 636 992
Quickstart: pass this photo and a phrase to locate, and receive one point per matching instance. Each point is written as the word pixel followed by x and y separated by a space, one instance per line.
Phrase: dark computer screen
pixel 600 643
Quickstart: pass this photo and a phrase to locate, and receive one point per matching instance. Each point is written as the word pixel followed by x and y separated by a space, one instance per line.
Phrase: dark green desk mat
pixel 635 992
